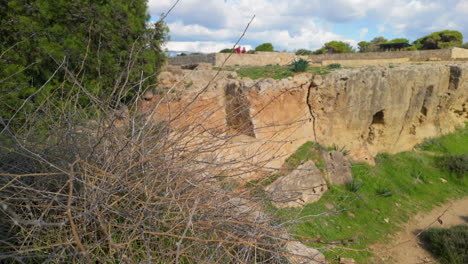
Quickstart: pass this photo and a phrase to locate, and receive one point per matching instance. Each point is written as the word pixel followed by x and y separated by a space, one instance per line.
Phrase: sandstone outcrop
pixel 384 109
pixel 303 185
pixel 301 254
pixel 338 168
pixel 366 110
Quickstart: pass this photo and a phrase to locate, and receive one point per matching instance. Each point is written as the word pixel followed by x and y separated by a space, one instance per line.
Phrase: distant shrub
pixel 226 51
pixel 251 52
pixel 181 54
pixel 334 66
pixel 439 40
pixel 265 47
pixel 338 47
pixel 457 164
pixel 320 51
pixel 431 144
pixel 449 245
pixel 302 52
pixel 300 65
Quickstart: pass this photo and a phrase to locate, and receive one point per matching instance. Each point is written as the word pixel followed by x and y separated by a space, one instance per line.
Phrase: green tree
pixel 439 40
pixel 364 46
pixel 320 51
pixel 265 47
pixel 338 47
pixel 398 40
pixel 93 41
pixel 373 45
pixel 378 40
pixel 226 51
pixel 303 52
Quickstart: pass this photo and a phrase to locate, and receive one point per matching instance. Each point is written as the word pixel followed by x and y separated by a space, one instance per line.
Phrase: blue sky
pixel 211 25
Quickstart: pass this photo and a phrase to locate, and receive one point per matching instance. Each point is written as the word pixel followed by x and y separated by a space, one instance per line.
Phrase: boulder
pixel 303 185
pixel 302 78
pixel 338 168
pixel 299 253
pixel 317 81
pixel 148 95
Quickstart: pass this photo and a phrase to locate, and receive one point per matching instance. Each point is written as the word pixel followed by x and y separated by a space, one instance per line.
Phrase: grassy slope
pixel 381 198
pixel 276 72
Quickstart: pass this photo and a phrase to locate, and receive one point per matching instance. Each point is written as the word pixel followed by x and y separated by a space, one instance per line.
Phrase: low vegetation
pixel 300 65
pixel 440 40
pixel 381 197
pixel 265 47
pixel 449 246
pixel 277 72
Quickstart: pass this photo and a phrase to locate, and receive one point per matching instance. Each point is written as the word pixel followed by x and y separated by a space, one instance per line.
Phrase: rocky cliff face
pixel 389 109
pixel 364 110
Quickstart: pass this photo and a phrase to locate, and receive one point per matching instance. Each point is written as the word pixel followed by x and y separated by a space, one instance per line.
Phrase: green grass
pixel 308 151
pixel 383 197
pixel 453 144
pixel 276 72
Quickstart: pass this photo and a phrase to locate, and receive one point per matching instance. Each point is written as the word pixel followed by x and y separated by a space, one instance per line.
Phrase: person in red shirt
pixel 238 50
pixel 243 50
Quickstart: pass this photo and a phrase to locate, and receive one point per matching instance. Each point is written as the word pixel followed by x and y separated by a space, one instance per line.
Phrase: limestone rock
pixel 368 110
pixel 166 78
pixel 389 109
pixel 303 185
pixel 338 168
pixel 302 78
pixel 347 261
pixel 299 253
pixel 204 66
pixel 318 80
pixel 148 95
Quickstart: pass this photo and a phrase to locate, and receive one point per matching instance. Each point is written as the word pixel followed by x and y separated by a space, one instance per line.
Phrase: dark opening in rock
pixel 378 118
pixel 424 110
pixel 189 66
pixel 427 98
pixel 238 111
pixel 455 75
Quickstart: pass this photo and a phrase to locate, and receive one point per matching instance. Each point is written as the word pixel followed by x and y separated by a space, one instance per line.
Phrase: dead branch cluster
pixel 102 185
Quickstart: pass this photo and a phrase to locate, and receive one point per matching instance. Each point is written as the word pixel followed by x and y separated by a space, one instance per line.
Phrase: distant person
pixel 238 50
pixel 243 51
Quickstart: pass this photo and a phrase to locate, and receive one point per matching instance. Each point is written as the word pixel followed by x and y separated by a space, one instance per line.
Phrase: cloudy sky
pixel 211 25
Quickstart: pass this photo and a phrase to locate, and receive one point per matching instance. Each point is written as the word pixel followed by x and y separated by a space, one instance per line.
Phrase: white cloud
pixel 381 29
pixel 293 24
pixel 363 33
pixel 179 29
pixel 462 7
pixel 200 46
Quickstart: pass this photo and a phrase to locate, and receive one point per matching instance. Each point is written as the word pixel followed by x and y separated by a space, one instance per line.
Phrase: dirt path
pixel 405 246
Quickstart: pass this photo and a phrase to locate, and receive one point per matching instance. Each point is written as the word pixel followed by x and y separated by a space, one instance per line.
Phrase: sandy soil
pixel 405 246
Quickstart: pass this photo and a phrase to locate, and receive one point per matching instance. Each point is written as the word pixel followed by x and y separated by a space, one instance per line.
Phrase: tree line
pixel 437 40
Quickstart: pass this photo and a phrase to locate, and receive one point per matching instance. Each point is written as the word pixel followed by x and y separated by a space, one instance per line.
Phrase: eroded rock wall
pixel 365 110
pixel 389 109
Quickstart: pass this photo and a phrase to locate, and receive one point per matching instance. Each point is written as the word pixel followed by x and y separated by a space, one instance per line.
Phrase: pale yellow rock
pixel 366 110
